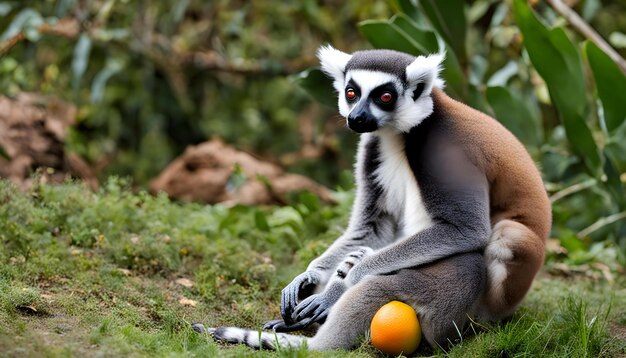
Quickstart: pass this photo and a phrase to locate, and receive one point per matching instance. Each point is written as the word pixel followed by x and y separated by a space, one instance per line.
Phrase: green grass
pixel 87 273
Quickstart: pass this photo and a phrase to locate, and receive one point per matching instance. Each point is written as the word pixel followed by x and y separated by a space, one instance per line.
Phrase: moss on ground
pixel 120 273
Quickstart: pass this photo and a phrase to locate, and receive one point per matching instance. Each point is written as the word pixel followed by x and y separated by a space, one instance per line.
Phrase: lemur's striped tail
pixel 251 338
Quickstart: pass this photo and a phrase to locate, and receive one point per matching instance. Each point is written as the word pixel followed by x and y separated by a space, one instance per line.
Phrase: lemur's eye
pixel 386 97
pixel 350 94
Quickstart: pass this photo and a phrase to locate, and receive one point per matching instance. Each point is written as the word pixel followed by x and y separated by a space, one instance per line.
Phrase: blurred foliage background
pixel 150 78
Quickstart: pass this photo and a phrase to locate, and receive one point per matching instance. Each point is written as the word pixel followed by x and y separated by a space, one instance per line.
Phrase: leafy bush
pixel 149 233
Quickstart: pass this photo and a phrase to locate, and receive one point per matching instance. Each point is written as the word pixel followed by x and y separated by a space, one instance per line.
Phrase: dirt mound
pixel 32 133
pixel 215 172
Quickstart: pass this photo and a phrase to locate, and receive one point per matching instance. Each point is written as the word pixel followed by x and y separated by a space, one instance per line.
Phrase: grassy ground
pixel 114 273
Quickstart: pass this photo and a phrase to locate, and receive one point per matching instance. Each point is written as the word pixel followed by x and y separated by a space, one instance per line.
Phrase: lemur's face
pixel 369 99
pixel 382 88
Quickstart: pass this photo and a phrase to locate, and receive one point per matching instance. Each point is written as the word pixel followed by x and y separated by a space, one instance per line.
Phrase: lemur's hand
pixel 280 326
pixel 316 307
pixel 301 287
pixel 313 309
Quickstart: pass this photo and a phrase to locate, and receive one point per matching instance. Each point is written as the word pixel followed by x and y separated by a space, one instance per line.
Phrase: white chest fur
pixel 401 191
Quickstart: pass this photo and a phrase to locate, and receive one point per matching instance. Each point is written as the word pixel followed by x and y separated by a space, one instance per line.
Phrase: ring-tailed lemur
pixel 450 214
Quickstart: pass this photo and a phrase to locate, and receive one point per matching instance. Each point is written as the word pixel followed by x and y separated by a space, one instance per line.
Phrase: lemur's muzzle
pixel 361 119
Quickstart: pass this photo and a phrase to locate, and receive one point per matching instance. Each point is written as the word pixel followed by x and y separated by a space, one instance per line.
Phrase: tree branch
pixel 66 27
pixel 602 222
pixel 581 26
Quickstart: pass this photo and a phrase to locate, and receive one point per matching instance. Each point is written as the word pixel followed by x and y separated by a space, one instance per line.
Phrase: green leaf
pixel 27 19
pixel 5 8
pixel 477 69
pixel 318 85
pixel 4 154
pixel 310 201
pixel 615 147
pixel 558 62
pixel 112 66
pixel 425 39
pixel 385 34
pixel 613 182
pixel 260 221
pixel 513 112
pixel 611 84
pixel 502 76
pixel 476 99
pixel 477 10
pixel 456 82
pixel 590 9
pixel 408 7
pixel 570 242
pixel 618 39
pixel 63 7
pixel 448 18
pixel 80 59
pixel 286 216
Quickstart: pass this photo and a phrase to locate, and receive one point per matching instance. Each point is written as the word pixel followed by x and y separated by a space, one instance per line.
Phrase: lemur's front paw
pixel 301 287
pixel 280 326
pixel 313 309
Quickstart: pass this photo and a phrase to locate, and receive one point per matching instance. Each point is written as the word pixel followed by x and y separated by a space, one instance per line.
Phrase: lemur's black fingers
pixel 309 307
pixel 321 311
pixel 280 326
pixel 285 307
pixel 274 324
pixel 318 317
pixel 301 287
pixel 289 302
pixel 304 309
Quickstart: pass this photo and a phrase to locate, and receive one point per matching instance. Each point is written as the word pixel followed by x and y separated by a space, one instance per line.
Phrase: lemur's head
pixel 382 88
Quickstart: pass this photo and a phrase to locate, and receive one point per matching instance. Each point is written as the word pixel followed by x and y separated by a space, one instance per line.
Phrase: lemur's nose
pixel 362 122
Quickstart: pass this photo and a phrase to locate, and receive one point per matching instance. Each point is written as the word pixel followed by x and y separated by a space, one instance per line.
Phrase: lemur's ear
pixel 423 74
pixel 334 64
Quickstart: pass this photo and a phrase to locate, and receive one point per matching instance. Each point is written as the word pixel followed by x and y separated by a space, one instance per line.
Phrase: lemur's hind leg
pixel 442 294
pixel 513 256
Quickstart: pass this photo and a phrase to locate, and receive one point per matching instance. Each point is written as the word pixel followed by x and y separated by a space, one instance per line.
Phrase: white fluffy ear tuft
pixel 333 64
pixel 426 70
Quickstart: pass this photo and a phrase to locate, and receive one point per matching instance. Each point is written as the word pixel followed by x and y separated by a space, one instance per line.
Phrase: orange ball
pixel 395 329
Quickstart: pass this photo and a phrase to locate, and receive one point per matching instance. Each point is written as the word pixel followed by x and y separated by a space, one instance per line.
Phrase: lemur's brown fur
pixel 520 210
